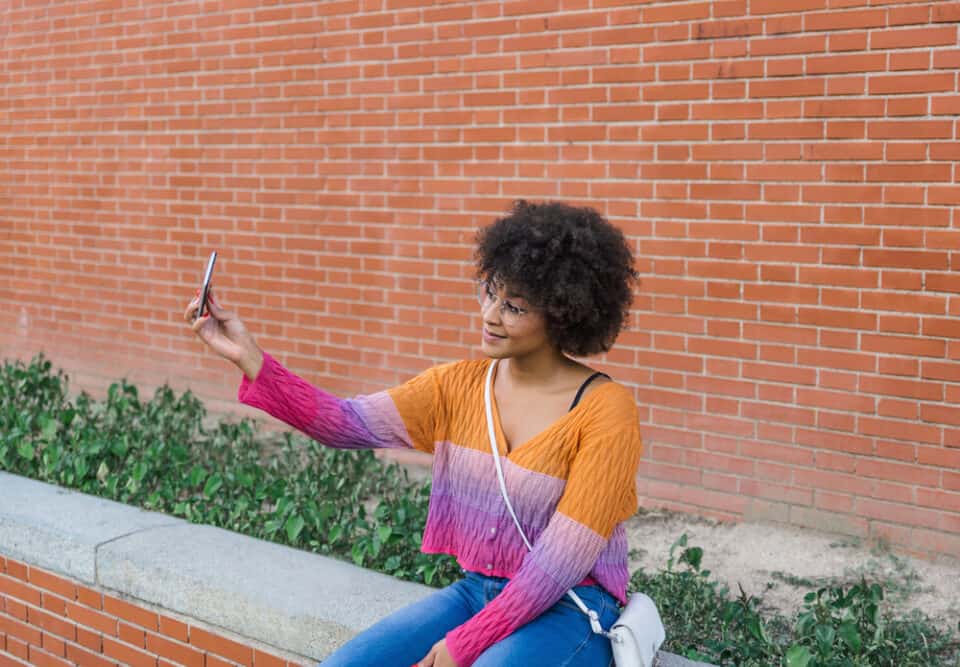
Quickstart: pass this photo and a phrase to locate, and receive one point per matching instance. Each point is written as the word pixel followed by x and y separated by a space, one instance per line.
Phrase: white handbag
pixel 636 636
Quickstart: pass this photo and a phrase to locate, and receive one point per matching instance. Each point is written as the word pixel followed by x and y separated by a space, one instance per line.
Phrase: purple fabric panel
pixel 560 559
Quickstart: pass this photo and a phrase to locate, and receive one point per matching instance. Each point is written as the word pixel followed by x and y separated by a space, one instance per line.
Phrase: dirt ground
pixel 781 563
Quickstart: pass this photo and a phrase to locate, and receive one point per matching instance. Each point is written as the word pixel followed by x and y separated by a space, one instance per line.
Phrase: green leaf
pixel 358 552
pixel 692 556
pixel 25 450
pixel 825 635
pixel 384 532
pixel 798 656
pixel 48 429
pixel 293 527
pixel 213 485
pixel 850 636
pixel 197 475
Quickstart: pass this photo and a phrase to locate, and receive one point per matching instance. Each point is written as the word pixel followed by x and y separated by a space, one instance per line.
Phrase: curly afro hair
pixel 569 263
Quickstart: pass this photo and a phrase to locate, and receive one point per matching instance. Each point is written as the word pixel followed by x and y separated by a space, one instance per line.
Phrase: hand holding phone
pixel 223 333
pixel 205 286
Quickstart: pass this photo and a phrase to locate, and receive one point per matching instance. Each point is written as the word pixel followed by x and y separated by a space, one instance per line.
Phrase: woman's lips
pixel 491 337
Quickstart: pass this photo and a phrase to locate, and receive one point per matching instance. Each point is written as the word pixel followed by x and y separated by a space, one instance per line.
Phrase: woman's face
pixel 511 327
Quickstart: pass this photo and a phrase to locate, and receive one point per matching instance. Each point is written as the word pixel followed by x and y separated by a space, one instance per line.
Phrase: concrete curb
pixel 296 601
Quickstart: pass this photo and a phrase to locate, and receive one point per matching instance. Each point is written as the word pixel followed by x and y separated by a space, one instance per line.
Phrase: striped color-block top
pixel 572 486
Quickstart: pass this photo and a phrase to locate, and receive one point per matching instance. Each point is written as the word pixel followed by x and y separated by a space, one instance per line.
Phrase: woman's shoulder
pixel 461 373
pixel 608 398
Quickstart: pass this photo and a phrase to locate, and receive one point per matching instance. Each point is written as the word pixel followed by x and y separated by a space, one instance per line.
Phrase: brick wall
pixel 55 622
pixel 785 169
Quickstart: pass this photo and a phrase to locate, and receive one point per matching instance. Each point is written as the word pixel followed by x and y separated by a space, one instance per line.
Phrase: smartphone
pixel 205 287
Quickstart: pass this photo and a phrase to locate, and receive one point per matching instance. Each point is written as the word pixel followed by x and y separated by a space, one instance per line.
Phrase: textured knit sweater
pixel 572 486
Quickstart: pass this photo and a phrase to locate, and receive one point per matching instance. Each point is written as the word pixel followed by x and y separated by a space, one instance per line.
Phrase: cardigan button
pixel 489 566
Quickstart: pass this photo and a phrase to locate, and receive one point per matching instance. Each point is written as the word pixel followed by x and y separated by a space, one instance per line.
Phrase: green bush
pixel 292 490
pixel 838 626
pixel 158 455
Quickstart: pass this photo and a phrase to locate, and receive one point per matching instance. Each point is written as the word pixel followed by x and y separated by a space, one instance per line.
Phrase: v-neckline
pixel 498 427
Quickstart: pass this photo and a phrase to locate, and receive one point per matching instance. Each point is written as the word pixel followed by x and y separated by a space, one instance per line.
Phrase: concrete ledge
pixel 60 530
pixel 296 601
pixel 293 599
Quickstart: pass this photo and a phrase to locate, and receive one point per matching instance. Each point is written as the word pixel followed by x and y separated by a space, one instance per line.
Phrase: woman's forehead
pixel 508 290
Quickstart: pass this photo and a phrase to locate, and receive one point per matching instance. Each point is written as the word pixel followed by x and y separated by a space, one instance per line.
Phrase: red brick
pixel 130 612
pixel 127 655
pixel 80 656
pixel 14 608
pixel 131 635
pixel 51 623
pixel 897 513
pixel 20 590
pixel 43 659
pixel 92 619
pixel 89 639
pixel 174 629
pixel 214 661
pixel 261 659
pixel 900 430
pixel 54 645
pixel 17 570
pixel 62 587
pixel 89 597
pixel 221 646
pixel 175 651
pixel 26 633
pixel 8 661
pixel 928 36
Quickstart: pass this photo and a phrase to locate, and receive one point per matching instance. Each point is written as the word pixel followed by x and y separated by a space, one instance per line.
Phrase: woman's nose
pixel 491 311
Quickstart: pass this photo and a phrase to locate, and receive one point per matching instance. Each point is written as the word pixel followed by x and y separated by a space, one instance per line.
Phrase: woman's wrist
pixel 251 362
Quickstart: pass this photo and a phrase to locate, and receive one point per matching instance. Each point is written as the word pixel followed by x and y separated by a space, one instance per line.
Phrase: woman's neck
pixel 540 368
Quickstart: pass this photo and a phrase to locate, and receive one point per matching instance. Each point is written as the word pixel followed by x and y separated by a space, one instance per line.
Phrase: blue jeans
pixel 560 637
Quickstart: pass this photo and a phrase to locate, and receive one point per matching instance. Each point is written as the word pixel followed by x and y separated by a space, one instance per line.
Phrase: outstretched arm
pixel 362 422
pixel 359 423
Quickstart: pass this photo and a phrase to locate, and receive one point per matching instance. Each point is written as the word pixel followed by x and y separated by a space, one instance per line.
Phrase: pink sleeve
pixel 362 422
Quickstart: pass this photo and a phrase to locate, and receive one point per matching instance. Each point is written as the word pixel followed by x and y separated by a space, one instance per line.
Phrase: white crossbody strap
pixel 488 400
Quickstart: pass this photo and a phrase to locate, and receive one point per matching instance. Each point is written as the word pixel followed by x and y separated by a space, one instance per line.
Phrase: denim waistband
pixel 486 578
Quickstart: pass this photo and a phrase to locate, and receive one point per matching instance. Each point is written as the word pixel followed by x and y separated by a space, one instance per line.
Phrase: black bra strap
pixel 584 386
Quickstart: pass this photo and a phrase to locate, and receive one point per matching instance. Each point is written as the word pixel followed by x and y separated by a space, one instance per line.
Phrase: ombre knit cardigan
pixel 572 486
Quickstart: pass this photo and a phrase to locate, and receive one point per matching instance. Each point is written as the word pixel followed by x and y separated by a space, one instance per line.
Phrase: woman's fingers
pixel 199 323
pixel 215 308
pixel 190 313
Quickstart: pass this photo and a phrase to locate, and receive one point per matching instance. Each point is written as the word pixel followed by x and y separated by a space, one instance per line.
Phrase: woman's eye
pixel 513 309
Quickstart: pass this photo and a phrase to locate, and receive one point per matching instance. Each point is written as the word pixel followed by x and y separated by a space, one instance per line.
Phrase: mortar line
pixel 96 548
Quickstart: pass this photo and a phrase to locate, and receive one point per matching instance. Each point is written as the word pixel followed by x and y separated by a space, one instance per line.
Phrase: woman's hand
pixel 438 656
pixel 225 334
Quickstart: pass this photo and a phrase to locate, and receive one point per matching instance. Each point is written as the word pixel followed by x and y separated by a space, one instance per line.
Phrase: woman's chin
pixel 494 350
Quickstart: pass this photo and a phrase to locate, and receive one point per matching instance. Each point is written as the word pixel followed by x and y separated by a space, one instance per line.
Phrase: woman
pixel 554 281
